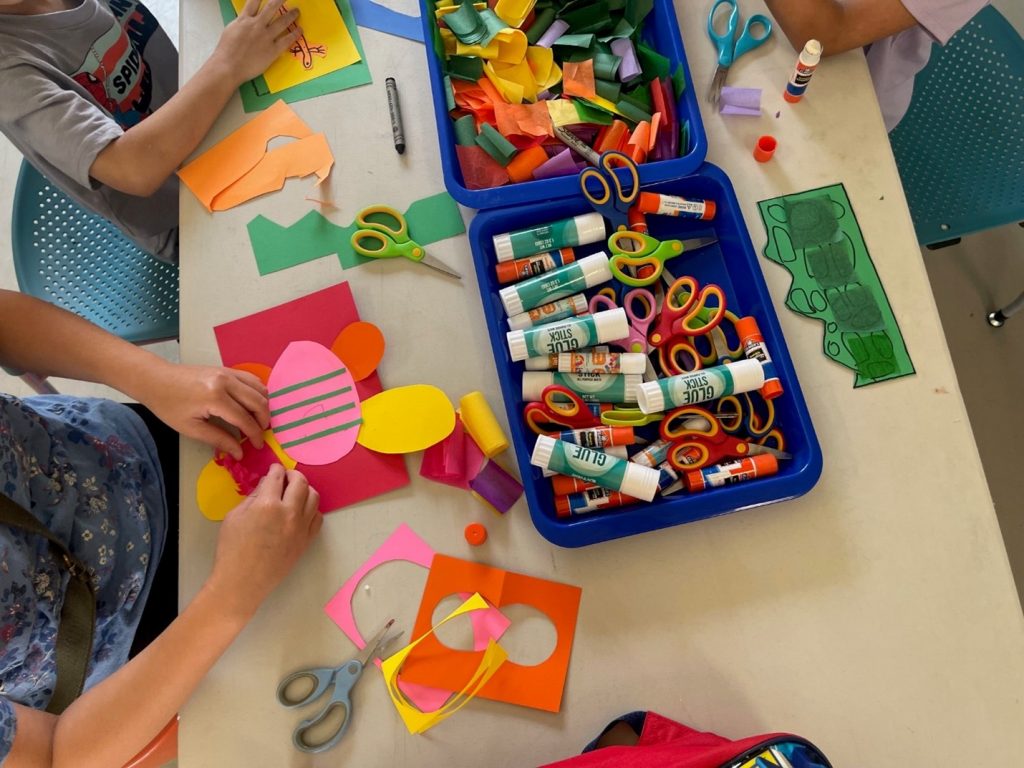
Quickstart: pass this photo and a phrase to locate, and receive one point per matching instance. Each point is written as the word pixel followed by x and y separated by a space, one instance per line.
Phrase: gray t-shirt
pixel 73 81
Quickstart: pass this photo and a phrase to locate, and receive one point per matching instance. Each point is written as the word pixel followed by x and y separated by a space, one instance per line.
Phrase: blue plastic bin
pixel 732 264
pixel 661 32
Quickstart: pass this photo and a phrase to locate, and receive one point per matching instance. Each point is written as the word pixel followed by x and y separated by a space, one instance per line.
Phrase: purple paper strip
pixel 747 100
pixel 556 30
pixel 729 109
pixel 629 69
pixel 562 164
pixel 497 487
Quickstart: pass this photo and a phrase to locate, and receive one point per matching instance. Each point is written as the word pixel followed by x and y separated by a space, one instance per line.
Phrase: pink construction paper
pixel 319 317
pixel 455 461
pixel 404 545
pixel 305 361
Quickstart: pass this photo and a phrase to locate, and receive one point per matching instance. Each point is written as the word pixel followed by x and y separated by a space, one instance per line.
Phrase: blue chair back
pixel 960 148
pixel 81 262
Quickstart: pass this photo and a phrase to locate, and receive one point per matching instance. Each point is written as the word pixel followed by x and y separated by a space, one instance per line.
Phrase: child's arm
pixel 840 26
pixel 144 156
pixel 41 338
pixel 258 544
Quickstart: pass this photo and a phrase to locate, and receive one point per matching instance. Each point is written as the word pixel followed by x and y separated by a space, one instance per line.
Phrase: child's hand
pixel 250 43
pixel 262 538
pixel 186 397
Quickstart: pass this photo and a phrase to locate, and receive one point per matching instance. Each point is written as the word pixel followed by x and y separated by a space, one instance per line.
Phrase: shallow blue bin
pixel 732 264
pixel 661 32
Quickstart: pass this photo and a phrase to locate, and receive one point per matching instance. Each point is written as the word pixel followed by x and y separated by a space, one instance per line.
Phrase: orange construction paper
pixel 361 346
pixel 479 169
pixel 259 370
pixel 636 147
pixel 299 158
pixel 655 125
pixel 614 137
pixel 539 686
pixel 578 79
pixel 525 163
pixel 228 163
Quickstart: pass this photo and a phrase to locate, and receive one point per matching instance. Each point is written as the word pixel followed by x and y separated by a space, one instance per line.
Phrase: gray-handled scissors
pixel 340 681
pixel 729 46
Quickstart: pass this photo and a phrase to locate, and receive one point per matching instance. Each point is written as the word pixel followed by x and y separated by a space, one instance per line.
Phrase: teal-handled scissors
pixel 386 236
pixel 729 46
pixel 604 191
pixel 340 681
pixel 638 259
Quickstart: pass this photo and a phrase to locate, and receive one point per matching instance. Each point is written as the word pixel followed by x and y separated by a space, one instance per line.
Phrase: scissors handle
pixel 343 679
pixel 749 39
pixel 724 42
pixel 380 245
pixel 386 219
pixel 629 417
pixel 321 679
pixel 299 735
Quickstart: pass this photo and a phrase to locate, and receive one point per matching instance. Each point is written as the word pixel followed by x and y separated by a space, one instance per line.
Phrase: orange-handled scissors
pixel 747 413
pixel 698 440
pixel 561 408
pixel 688 311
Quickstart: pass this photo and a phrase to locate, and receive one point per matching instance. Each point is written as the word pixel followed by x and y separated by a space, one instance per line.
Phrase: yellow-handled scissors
pixel 386 236
pixel 604 191
pixel 638 259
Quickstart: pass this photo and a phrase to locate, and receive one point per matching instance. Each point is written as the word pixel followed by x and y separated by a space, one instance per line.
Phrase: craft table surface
pixel 876 615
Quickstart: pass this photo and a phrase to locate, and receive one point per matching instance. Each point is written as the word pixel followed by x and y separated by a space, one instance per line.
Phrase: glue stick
pixel 754 349
pixel 748 468
pixel 700 386
pixel 617 451
pixel 653 455
pixel 549 313
pixel 673 205
pixel 591 500
pixel 805 66
pixel 550 362
pixel 667 476
pixel 531 266
pixel 599 437
pixel 600 468
pixel 563 485
pixel 567 335
pixel 557 284
pixel 566 233
pixel 591 387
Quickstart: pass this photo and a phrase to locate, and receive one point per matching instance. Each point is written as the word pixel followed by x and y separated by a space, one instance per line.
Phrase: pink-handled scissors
pixel 639 322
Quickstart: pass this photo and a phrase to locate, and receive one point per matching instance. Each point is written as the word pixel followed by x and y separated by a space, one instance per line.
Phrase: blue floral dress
pixel 88 470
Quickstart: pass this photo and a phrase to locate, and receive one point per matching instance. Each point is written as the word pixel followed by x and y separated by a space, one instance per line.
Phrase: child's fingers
pixel 266 15
pixel 250 8
pixel 278 25
pixel 285 40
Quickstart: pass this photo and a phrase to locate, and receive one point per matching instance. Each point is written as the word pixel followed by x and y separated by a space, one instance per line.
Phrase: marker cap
pixel 611 324
pixel 747 375
pixel 476 534
pixel 632 362
pixel 747 327
pixel 765 148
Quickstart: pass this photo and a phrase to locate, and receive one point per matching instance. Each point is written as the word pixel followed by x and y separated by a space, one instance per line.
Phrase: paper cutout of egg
pixel 314 405
pixel 406 419
pixel 216 492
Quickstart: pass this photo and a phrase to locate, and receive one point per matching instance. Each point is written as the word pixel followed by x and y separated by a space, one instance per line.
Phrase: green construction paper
pixel 679 81
pixel 469 68
pixel 256 96
pixel 541 21
pixel 653 64
pixel 449 93
pixel 636 11
pixel 684 138
pixel 574 41
pixel 835 282
pixel 616 5
pixel 592 105
pixel 467 24
pixel 591 16
pixel 606 65
pixel 640 97
pixel 631 111
pixel 314 236
pixel 465 131
pixel 592 115
pixel 494 25
pixel 495 145
pixel 622 29
pixel 608 89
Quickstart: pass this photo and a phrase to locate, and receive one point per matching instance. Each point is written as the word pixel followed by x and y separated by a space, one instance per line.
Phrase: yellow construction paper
pixel 514 12
pixel 563 112
pixel 216 492
pixel 406 419
pixel 514 81
pixel 542 63
pixel 508 46
pixel 417 721
pixel 324 47
pixel 605 104
pixel 443 9
pixel 482 424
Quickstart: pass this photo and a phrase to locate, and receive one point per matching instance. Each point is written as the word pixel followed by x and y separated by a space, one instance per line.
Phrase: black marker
pixel 396 115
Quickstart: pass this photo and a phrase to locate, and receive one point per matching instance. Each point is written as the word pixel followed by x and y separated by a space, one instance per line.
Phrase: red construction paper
pixel 480 170
pixel 320 317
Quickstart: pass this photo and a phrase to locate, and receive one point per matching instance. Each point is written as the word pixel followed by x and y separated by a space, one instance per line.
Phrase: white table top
pixel 876 611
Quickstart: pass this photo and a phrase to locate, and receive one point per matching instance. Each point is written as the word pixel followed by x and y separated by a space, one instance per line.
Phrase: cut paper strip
pixel 325 45
pixel 525 163
pixel 575 41
pixel 561 164
pixel 491 661
pixel 361 345
pixel 539 686
pixel 479 170
pixel 563 112
pixel 231 161
pixel 325 204
pixel 482 424
pixel 257 96
pixel 578 79
pixel 497 487
pixel 514 12
pixel 314 407
pixel 553 33
pixel 455 460
pixel 262 338
pixel 629 68
pixel 465 131
pixel 740 101
pixel 405 419
pixel 380 18
pixel 495 145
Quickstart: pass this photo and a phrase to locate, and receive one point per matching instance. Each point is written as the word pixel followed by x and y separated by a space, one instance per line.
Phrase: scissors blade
pixel 715 91
pixel 694 243
pixel 439 266
pixel 375 643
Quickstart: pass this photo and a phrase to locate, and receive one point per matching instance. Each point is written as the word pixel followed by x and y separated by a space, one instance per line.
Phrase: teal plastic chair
pixel 77 260
pixel 960 147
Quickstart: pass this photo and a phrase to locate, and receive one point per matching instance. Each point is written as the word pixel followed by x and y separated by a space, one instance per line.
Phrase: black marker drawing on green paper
pixel 815 236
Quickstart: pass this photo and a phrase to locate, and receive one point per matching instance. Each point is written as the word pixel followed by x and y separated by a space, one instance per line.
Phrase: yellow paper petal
pixel 417 721
pixel 406 419
pixel 554 78
pixel 514 12
pixel 563 112
pixel 216 492
pixel 521 75
pixel 511 91
pixel 512 45
pixel 541 60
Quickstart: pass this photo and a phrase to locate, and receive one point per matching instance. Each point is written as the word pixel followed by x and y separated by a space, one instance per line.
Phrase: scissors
pixel 639 323
pixel 629 417
pixel 340 680
pixel 380 240
pixel 747 413
pixel 639 260
pixel 560 408
pixel 698 440
pixel 688 311
pixel 611 201
pixel 731 48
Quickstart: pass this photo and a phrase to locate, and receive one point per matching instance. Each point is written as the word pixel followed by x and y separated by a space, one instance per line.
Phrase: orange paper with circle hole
pixel 435 664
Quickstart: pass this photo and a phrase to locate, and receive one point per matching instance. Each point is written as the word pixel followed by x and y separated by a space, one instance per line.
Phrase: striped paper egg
pixel 314 405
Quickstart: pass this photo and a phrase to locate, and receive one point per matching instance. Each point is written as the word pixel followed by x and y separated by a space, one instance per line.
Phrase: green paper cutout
pixel 256 96
pixel 631 111
pixel 494 144
pixel 469 68
pixel 591 114
pixel 606 65
pixel 465 131
pixel 653 64
pixel 639 97
pixel 636 11
pixel 622 29
pixel 469 25
pixel 835 282
pixel 593 106
pixel 541 21
pixel 314 236
pixel 591 16
pixel 574 41
pixel 449 93
pixel 679 81
pixel 608 89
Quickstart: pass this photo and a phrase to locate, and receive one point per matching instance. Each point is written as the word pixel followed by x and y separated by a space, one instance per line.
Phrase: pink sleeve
pixel 942 18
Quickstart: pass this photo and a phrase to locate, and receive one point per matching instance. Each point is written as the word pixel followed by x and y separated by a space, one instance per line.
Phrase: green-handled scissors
pixel 629 417
pixel 389 238
pixel 638 259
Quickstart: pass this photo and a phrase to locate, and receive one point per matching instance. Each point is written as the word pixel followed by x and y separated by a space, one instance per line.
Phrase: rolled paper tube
pixel 497 487
pixel 555 31
pixel 608 89
pixel 614 137
pixel 482 424
pixel 629 69
pixel 525 163
pixel 541 23
pixel 606 66
pixel 465 131
pixel 495 145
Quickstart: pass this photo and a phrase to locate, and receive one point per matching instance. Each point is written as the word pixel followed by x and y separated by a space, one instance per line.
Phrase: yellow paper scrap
pixel 324 47
pixel 406 419
pixel 515 81
pixel 417 721
pixel 605 104
pixel 563 112
pixel 216 491
pixel 443 9
pixel 512 45
pixel 542 63
pixel 514 12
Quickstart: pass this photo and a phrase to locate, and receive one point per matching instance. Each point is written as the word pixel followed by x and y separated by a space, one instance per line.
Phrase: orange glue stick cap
pixel 476 534
pixel 765 148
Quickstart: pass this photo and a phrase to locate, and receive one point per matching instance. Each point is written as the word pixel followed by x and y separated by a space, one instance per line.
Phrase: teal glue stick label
pixel 697 387
pixel 561 337
pixel 598 387
pixel 588 464
pixel 550 237
pixel 557 284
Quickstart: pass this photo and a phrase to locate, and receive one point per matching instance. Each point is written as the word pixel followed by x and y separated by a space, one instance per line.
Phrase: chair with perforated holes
pixel 77 260
pixel 960 147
